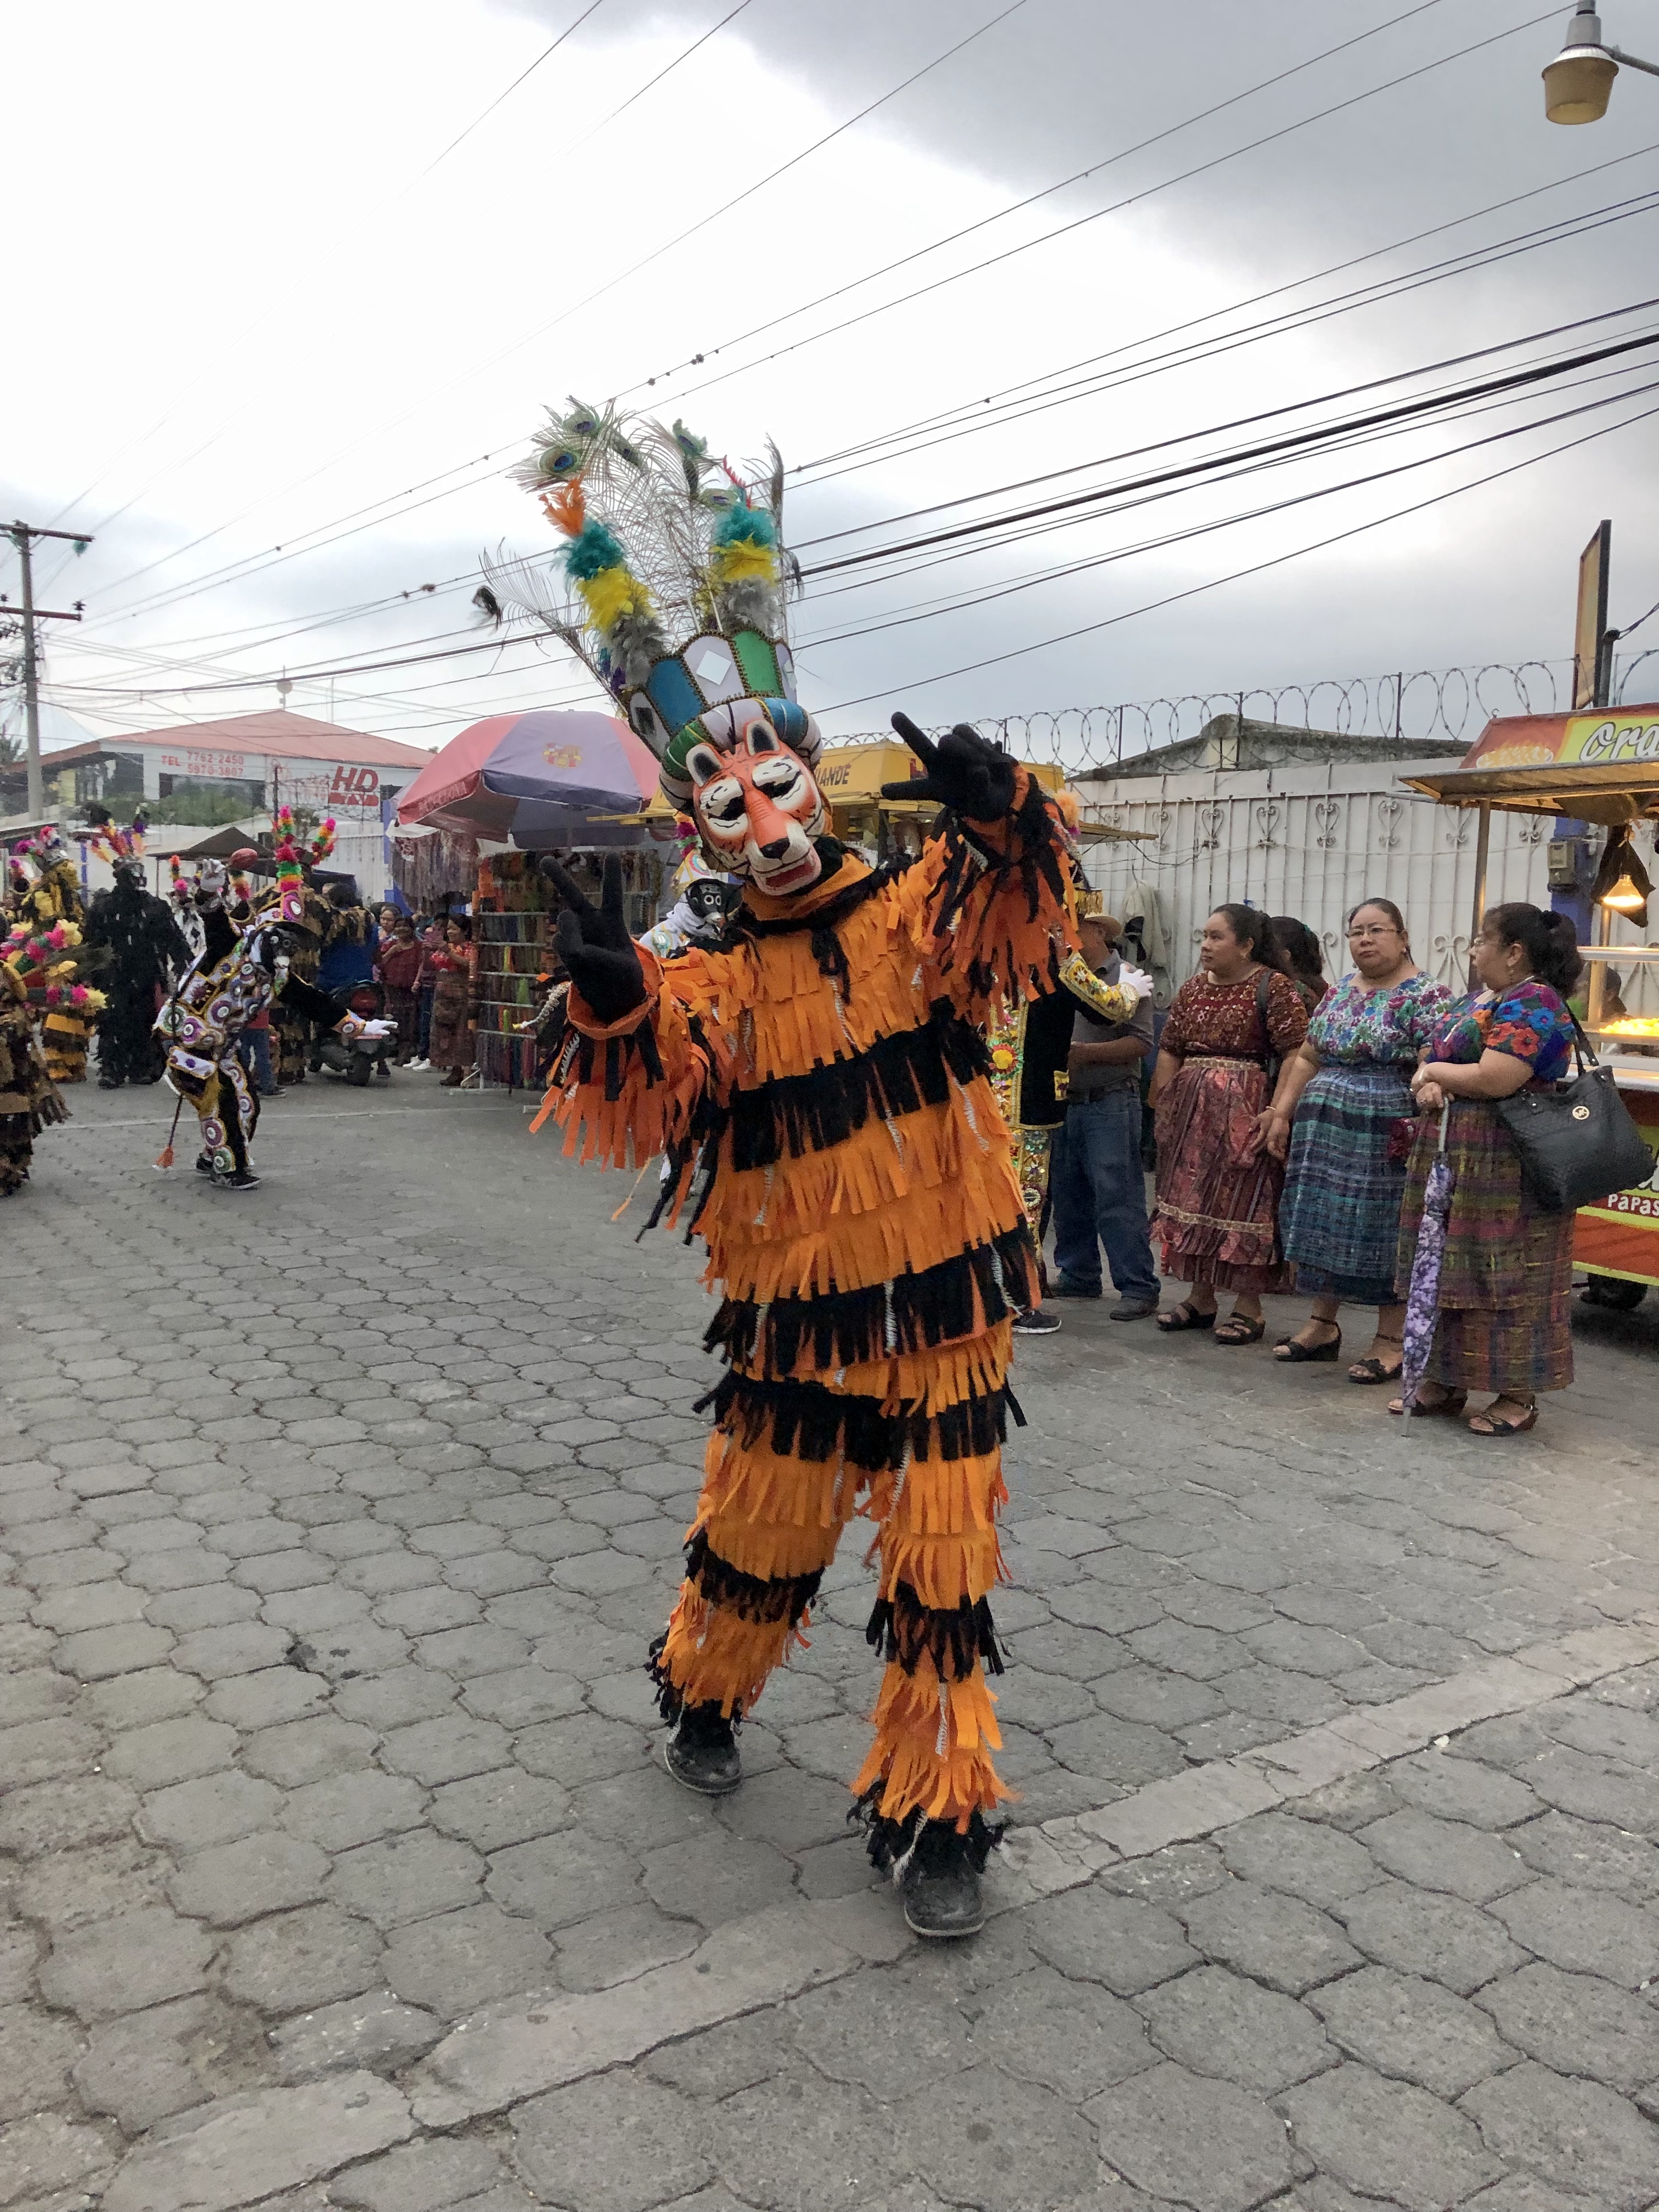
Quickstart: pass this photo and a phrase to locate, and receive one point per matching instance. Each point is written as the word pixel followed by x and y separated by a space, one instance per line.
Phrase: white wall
pixel 1312 843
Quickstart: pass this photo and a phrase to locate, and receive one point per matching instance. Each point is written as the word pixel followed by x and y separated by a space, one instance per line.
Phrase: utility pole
pixel 23 536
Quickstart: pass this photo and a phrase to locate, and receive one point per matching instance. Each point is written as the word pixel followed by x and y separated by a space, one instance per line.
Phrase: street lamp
pixel 1578 83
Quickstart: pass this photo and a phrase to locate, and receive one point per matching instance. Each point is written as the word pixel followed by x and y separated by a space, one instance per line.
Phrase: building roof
pixel 274 731
pixel 1226 744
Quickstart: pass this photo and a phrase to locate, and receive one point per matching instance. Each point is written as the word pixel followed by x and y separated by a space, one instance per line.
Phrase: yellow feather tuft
pixel 611 594
pixel 739 562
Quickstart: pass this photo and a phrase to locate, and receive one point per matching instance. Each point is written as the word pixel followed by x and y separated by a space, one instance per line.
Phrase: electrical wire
pixel 1256 568
pixel 547 54
pixel 902 620
pixel 1032 199
pixel 1292 441
pixel 1116 207
pixel 250 565
pixel 1348 444
pixel 622 276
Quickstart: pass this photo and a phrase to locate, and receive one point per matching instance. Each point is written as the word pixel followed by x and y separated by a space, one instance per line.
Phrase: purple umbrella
pixel 1421 1300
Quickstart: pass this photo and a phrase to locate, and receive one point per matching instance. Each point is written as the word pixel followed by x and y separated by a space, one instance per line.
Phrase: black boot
pixel 205 1164
pixel 702 1752
pixel 940 1884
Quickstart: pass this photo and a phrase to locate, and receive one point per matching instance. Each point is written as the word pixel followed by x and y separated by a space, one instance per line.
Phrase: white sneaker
pixel 417 1066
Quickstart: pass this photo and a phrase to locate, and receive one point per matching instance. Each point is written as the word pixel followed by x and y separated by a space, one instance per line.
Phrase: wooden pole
pixel 1482 850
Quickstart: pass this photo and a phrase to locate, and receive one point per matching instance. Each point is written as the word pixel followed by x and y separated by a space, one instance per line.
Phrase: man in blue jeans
pixel 1096 1177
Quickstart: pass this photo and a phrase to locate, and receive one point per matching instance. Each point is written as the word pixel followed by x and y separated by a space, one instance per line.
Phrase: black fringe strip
pixel 903 1628
pixel 751 1597
pixel 670 1702
pixel 914 1312
pixel 887 1841
pixel 1034 852
pixel 580 1054
pixel 898 1075
pixel 808 1422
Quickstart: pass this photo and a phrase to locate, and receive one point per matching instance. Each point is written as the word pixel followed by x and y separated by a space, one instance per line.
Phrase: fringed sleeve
pixel 1001 903
pixel 624 1090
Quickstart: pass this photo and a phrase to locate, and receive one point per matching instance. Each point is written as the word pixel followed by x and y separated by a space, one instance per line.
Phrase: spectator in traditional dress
pixel 398 968
pixel 1500 1302
pixel 454 1042
pixel 1354 1121
pixel 1219 1089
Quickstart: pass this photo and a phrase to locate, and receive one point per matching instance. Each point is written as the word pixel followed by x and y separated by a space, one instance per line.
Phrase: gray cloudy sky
pixel 284 308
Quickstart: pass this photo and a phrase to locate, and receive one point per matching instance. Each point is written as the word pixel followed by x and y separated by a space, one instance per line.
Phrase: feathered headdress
pixel 42 852
pixel 672 584
pixel 111 844
pixel 285 901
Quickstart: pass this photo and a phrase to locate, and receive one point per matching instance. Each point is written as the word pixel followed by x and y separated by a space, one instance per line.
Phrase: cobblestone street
pixel 338 1866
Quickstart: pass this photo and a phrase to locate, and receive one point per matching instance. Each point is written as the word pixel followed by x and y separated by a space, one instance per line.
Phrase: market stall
pixel 504 791
pixel 1601 767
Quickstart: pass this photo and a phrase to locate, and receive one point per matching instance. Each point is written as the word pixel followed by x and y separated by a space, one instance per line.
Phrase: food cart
pixel 1600 766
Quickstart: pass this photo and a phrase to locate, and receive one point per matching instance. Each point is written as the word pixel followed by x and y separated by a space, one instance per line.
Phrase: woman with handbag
pixel 1501 1301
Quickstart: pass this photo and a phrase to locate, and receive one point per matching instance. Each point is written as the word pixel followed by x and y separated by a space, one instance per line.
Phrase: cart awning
pixel 1602 766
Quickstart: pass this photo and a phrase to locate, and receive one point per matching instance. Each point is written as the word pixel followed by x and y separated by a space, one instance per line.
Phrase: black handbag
pixel 1576 1141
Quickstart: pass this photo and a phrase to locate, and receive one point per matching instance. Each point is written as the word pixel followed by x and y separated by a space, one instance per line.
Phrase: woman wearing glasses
pixel 1349 1090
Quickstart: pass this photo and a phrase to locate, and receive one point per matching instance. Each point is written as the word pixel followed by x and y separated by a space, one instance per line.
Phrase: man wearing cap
pixel 1096 1177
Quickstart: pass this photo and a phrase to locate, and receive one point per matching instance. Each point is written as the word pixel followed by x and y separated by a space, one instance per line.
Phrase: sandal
pixel 1494 1427
pixel 1449 1407
pixel 1239 1328
pixel 1372 1370
pixel 1185 1315
pixel 1295 1355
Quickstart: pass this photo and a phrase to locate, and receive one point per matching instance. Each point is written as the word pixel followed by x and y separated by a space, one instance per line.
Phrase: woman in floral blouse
pixel 1351 1097
pixel 1502 1297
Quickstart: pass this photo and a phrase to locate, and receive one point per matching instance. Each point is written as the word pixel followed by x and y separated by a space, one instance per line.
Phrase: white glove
pixel 380 1028
pixel 1136 980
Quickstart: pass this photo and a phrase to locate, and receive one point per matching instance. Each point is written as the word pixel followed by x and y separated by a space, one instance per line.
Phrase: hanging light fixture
pixel 1622 883
pixel 1579 80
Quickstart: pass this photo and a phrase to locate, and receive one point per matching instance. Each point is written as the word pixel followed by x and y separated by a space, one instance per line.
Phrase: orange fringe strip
pixel 933 1746
pixel 709 1654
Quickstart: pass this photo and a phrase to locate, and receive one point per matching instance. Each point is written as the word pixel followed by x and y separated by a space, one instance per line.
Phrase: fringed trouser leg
pixel 766 1527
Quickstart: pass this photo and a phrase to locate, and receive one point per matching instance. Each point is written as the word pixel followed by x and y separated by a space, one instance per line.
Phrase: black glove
pixel 965 771
pixel 594 942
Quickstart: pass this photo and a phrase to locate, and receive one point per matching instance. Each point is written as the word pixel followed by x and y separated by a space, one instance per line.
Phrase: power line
pixel 1031 199
pixel 623 276
pixel 1116 207
pixel 1477 259
pixel 1292 441
pixel 1007 590
pixel 953 598
pixel 1017 403
pixel 208 580
pixel 1236 575
pixel 545 55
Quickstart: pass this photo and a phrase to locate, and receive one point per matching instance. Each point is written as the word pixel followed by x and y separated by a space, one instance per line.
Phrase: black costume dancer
pixel 147 951
pixel 239 970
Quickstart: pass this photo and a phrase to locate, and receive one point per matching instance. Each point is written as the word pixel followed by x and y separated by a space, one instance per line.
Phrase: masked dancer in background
pixel 146 948
pixel 68 997
pixel 821 1090
pixel 29 1097
pixel 242 970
